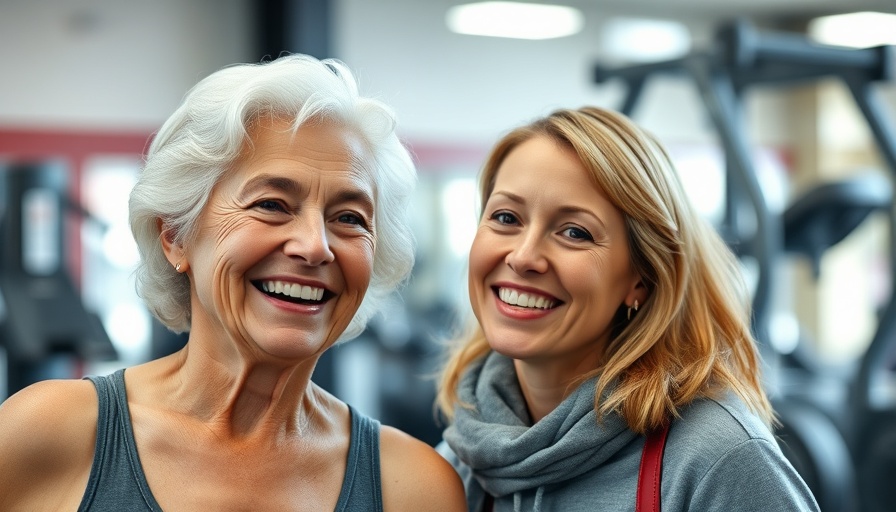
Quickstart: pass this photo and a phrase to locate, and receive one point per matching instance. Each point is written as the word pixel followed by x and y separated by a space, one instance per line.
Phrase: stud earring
pixel 628 316
pixel 177 269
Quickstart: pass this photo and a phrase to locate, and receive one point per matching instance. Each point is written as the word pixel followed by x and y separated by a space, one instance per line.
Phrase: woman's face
pixel 285 246
pixel 550 263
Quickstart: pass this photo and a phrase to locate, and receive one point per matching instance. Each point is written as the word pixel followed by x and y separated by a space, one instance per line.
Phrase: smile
pixel 524 299
pixel 293 292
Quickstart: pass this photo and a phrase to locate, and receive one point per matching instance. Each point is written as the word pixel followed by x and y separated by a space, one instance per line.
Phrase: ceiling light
pixel 645 40
pixel 515 20
pixel 856 30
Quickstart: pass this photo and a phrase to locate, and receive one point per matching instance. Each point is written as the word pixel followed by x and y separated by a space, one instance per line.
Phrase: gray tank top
pixel 117 481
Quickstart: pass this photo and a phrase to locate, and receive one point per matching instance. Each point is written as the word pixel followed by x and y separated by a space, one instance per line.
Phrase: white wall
pixel 127 64
pixel 472 88
pixel 111 63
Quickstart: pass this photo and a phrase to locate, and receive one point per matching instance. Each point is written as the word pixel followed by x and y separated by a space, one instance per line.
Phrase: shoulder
pixel 719 450
pixel 47 432
pixel 415 476
pixel 725 419
pixel 44 416
pixel 708 429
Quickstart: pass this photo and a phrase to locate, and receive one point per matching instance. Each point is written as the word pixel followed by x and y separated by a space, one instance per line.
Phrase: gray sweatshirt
pixel 719 456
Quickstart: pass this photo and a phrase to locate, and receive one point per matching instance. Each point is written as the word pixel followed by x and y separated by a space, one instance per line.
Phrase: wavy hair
pixel 203 139
pixel 691 337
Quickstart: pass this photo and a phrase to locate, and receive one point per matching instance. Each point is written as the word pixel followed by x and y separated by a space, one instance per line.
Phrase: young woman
pixel 607 310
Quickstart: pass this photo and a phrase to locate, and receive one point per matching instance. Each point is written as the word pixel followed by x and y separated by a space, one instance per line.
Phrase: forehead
pixel 322 139
pixel 316 149
pixel 545 172
pixel 544 164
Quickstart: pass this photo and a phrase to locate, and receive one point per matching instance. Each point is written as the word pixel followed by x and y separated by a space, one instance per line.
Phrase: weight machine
pixel 45 330
pixel 843 444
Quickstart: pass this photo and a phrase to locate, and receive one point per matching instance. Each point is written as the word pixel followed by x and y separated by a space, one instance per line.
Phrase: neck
pixel 239 397
pixel 547 383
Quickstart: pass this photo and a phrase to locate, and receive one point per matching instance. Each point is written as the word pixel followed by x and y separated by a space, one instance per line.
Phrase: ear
pixel 174 252
pixel 638 292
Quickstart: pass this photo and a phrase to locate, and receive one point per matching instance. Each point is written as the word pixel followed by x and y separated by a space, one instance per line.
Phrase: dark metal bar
pixel 884 132
pixel 781 74
pixel 874 109
pixel 633 95
pixel 720 97
pixel 638 72
pixel 746 48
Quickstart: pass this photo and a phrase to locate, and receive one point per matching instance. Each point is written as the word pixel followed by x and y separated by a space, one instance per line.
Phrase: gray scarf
pixel 507 454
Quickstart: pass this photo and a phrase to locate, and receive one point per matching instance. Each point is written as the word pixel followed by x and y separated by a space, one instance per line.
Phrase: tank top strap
pixel 116 480
pixel 361 486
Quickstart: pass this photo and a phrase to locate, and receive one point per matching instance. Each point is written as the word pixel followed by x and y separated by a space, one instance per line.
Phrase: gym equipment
pixel 45 320
pixel 842 440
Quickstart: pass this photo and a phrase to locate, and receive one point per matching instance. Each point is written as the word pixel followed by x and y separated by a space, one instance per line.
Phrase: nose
pixel 308 241
pixel 528 255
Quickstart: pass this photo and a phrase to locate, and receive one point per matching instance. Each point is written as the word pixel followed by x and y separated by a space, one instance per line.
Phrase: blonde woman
pixel 607 312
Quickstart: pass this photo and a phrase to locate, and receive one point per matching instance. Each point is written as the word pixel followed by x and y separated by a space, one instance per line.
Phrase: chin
pixel 293 348
pixel 510 348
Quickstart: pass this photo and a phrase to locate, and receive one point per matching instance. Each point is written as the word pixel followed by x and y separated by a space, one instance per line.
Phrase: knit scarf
pixel 507 454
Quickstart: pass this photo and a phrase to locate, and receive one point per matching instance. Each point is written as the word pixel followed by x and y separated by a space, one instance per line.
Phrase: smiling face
pixel 284 248
pixel 550 263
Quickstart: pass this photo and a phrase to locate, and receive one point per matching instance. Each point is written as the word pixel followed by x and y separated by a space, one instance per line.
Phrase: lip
pixel 521 313
pixel 310 308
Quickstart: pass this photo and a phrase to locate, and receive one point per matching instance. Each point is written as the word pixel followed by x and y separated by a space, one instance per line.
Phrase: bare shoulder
pixel 47 439
pixel 45 416
pixel 415 476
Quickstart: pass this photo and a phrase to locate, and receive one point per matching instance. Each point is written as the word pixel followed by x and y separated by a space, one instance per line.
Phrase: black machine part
pixel 740 58
pixel 44 314
pixel 827 213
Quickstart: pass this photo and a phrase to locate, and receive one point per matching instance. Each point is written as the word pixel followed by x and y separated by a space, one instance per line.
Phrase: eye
pixel 505 218
pixel 352 218
pixel 270 205
pixel 577 233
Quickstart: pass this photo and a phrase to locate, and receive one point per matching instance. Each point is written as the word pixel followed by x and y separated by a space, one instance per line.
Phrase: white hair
pixel 200 142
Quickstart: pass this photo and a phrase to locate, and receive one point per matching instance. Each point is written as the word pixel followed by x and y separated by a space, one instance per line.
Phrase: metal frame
pixel 743 58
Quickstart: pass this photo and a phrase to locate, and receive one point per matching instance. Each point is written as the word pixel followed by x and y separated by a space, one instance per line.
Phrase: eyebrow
pixel 280 183
pixel 356 196
pixel 293 187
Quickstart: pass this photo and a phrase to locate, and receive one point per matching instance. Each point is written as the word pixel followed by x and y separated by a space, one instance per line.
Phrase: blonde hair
pixel 691 338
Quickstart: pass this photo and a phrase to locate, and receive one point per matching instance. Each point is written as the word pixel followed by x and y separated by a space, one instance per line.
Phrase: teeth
pixel 293 290
pixel 526 300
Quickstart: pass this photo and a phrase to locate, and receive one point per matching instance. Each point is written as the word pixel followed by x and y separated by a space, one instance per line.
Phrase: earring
pixel 628 316
pixel 177 269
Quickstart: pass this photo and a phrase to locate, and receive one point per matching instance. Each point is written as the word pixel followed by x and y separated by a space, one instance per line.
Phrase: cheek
pixel 484 253
pixel 606 282
pixel 358 264
pixel 482 261
pixel 232 236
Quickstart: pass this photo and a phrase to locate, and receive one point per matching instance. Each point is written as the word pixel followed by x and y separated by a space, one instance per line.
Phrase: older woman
pixel 270 221
pixel 611 323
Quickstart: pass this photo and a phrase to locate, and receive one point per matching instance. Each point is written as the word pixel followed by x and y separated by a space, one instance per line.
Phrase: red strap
pixel 651 471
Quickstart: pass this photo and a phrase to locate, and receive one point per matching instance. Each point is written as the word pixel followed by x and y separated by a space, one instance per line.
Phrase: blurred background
pixel 779 116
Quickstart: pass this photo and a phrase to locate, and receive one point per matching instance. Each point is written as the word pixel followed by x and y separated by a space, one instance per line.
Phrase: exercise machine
pixel 45 330
pixel 838 431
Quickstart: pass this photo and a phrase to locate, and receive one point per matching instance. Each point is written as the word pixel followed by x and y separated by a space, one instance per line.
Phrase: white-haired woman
pixel 270 221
